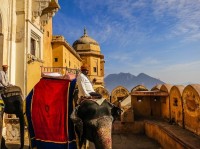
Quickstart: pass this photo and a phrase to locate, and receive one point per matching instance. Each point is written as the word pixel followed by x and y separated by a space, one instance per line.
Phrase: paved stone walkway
pixel 139 141
pixel 16 144
pixel 132 141
pixel 120 141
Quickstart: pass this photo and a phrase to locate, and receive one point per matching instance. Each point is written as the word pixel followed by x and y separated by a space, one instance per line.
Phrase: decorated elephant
pixel 12 104
pixel 48 109
pixel 93 121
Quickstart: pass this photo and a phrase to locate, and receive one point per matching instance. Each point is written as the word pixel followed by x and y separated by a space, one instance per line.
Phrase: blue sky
pixel 158 37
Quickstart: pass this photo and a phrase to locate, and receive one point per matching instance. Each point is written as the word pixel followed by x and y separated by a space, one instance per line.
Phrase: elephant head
pixel 97 123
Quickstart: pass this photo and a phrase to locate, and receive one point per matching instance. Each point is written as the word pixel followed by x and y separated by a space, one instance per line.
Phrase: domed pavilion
pixel 90 53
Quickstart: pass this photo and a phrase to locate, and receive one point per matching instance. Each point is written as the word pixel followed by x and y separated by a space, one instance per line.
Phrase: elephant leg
pixel 2 140
pixel 1 127
pixel 21 119
pixel 3 143
pixel 87 144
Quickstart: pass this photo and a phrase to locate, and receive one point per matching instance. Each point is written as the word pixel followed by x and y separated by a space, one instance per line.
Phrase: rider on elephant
pixel 11 102
pixel 86 90
pixel 4 82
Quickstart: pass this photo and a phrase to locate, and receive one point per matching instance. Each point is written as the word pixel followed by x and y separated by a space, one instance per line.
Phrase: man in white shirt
pixel 4 82
pixel 85 87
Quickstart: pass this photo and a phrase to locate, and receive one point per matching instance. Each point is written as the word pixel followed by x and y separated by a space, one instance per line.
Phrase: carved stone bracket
pixel 38 6
pixel 49 12
pixel 45 17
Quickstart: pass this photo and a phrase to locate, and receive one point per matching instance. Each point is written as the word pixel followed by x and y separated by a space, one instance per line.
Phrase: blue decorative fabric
pixel 71 130
pixel 28 116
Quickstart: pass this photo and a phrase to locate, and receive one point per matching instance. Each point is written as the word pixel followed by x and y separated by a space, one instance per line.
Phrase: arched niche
pixel 165 111
pixel 156 88
pixel 118 95
pixel 139 88
pixel 176 104
pixel 191 106
pixel 104 92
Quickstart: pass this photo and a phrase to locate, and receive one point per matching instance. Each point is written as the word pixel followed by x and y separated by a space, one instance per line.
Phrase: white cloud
pixel 186 14
pixel 119 16
pixel 124 21
pixel 178 72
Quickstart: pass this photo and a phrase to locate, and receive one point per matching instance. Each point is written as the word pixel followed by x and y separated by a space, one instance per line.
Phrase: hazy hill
pixel 129 81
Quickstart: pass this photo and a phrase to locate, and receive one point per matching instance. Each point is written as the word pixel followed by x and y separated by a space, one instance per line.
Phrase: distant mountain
pixel 129 81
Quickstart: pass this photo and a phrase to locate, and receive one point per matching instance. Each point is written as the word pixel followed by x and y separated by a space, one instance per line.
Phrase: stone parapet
pixel 171 136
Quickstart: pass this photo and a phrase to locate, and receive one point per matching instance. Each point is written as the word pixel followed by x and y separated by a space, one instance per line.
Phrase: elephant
pixel 96 117
pixel 13 104
pixel 94 123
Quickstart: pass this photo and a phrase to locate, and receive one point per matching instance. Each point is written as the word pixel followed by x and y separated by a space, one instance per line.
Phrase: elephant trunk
pixel 103 137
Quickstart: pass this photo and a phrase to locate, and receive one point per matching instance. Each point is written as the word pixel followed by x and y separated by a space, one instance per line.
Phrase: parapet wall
pixel 171 136
pixel 175 104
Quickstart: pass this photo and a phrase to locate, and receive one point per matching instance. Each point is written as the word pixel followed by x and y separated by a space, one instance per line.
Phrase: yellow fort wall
pixel 141 107
pixel 58 54
pixel 33 75
pixel 34 67
pixel 179 104
pixel 65 54
pixel 47 50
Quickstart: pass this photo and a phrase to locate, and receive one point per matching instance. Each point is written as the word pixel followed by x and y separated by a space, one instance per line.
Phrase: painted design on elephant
pixel 104 128
pixel 105 135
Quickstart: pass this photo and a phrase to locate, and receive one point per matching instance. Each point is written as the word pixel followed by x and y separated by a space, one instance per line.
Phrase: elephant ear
pixel 11 91
pixel 77 121
pixel 116 112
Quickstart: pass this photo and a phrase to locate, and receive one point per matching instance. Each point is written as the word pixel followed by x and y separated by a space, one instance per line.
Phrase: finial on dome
pixel 85 31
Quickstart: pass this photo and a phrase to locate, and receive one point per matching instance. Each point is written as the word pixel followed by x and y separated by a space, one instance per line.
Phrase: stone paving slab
pixel 132 141
pixel 16 144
